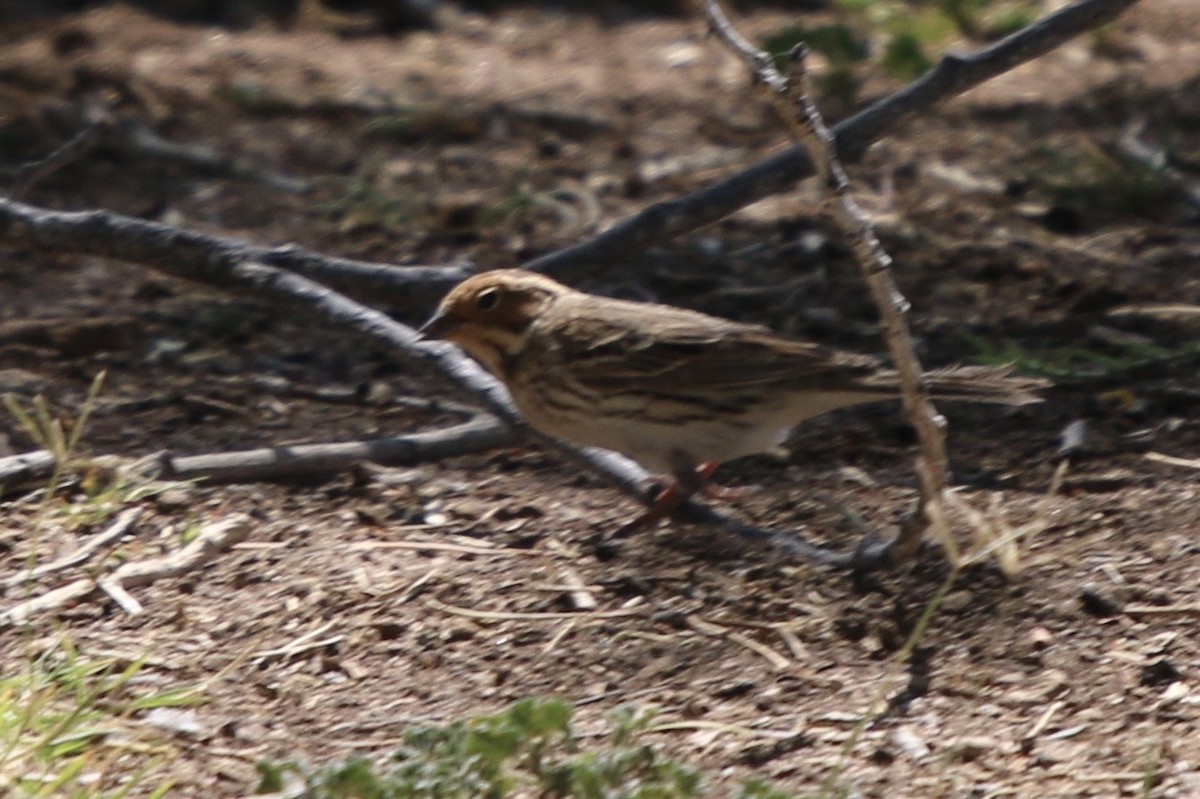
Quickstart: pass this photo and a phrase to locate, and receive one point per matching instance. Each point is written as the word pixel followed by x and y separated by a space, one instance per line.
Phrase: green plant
pixel 50 432
pixel 103 488
pixel 900 38
pixel 530 749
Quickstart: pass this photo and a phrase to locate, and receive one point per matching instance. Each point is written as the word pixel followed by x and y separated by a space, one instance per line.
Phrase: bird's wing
pixel 683 351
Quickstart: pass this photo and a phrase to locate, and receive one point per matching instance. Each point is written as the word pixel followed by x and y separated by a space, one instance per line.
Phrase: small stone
pixel 957 601
pixel 908 742
pixel 1054 752
pixel 971 748
pixel 1040 637
pixel 174 499
pixel 177 720
pixel 1159 672
pixel 1100 601
pixel 459 631
pixel 250 732
pixel 682 54
pixel 1175 691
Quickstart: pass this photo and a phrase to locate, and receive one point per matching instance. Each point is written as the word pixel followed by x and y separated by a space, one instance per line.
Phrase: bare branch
pixel 20 222
pixel 19 470
pixel 207 258
pixel 186 253
pixel 300 460
pixel 293 461
pixel 952 76
pixel 231 262
pixel 319 459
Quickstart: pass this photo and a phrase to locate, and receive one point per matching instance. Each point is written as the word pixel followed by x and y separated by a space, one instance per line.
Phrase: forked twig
pixel 120 526
pixel 211 541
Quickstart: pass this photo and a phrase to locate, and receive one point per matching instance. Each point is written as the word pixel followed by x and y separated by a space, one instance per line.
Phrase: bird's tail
pixel 975 384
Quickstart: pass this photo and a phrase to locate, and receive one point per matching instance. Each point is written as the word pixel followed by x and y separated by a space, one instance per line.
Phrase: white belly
pixel 655 435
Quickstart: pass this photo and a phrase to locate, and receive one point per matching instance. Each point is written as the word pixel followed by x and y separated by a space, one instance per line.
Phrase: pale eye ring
pixel 487 299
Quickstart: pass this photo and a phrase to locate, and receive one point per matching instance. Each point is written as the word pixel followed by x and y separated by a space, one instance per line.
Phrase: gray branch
pixel 952 76
pixel 208 258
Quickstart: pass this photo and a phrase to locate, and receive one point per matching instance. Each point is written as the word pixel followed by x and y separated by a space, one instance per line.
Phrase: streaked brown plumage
pixel 676 390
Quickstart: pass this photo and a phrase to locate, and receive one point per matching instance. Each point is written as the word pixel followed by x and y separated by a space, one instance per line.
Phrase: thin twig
pixel 299 644
pixel 136 139
pixel 29 175
pixel 490 615
pixel 1043 721
pixel 714 630
pixel 435 546
pixel 1171 460
pixel 120 526
pixel 566 629
pixel 125 600
pixel 720 726
pixel 792 99
pixel 1132 147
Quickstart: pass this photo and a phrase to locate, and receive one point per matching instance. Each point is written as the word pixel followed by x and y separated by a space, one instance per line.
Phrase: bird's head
pixel 489 315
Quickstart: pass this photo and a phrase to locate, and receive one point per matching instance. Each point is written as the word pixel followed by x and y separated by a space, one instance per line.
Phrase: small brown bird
pixel 676 390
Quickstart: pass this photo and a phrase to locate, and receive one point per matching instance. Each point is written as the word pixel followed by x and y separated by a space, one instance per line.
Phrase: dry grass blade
pixel 498 615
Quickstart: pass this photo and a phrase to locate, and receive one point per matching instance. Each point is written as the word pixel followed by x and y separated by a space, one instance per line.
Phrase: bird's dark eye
pixel 487 299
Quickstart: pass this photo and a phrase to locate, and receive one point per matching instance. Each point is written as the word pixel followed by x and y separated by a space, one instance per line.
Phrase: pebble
pixel 1100 601
pixel 971 748
pixel 957 601
pixel 174 499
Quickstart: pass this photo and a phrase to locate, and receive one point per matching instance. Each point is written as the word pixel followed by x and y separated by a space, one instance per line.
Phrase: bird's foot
pixel 664 504
pixel 675 493
pixel 704 473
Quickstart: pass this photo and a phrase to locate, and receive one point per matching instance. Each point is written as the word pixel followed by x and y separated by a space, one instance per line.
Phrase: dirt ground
pixel 366 603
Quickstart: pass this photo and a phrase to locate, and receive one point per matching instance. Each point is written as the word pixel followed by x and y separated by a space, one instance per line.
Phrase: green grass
pixel 67 728
pixel 1073 362
pixel 68 725
pixel 1097 184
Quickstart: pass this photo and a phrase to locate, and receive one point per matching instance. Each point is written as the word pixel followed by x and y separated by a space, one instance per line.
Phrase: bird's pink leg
pixel 678 492
pixel 663 506
pixel 705 472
